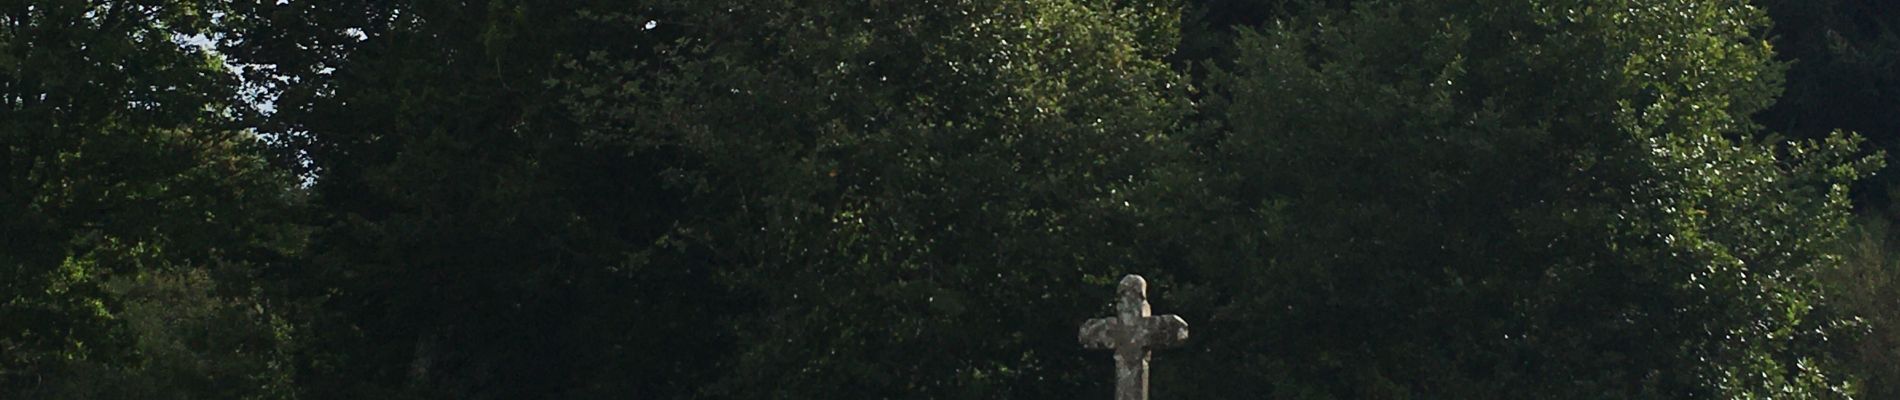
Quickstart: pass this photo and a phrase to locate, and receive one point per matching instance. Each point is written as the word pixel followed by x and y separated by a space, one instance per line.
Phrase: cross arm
pixel 1098 333
pixel 1165 331
pixel 1155 332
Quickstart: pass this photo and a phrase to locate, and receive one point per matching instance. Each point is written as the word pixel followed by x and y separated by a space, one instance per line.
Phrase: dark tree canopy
pixel 682 199
pixel 127 185
pixel 1543 202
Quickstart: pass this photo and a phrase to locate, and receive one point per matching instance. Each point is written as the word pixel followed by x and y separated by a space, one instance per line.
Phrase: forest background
pixel 670 199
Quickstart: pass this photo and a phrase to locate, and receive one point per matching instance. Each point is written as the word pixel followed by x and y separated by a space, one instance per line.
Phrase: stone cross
pixel 1131 332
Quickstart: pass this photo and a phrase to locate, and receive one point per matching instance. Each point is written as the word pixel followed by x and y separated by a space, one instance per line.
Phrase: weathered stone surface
pixel 1131 333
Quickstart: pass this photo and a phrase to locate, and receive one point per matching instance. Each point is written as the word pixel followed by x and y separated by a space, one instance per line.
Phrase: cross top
pixel 1131 333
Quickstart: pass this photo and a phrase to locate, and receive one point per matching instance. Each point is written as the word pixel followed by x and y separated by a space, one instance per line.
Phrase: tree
pixel 916 198
pixel 468 242
pixel 512 207
pixel 1842 76
pixel 1554 199
pixel 122 166
pixel 1866 288
pixel 735 199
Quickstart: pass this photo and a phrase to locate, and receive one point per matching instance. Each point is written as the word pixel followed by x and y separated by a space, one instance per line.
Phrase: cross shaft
pixel 1131 333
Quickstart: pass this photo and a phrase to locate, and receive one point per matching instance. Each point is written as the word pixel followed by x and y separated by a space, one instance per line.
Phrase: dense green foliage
pixel 1547 201
pixel 1844 73
pixel 922 199
pixel 896 195
pixel 125 187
